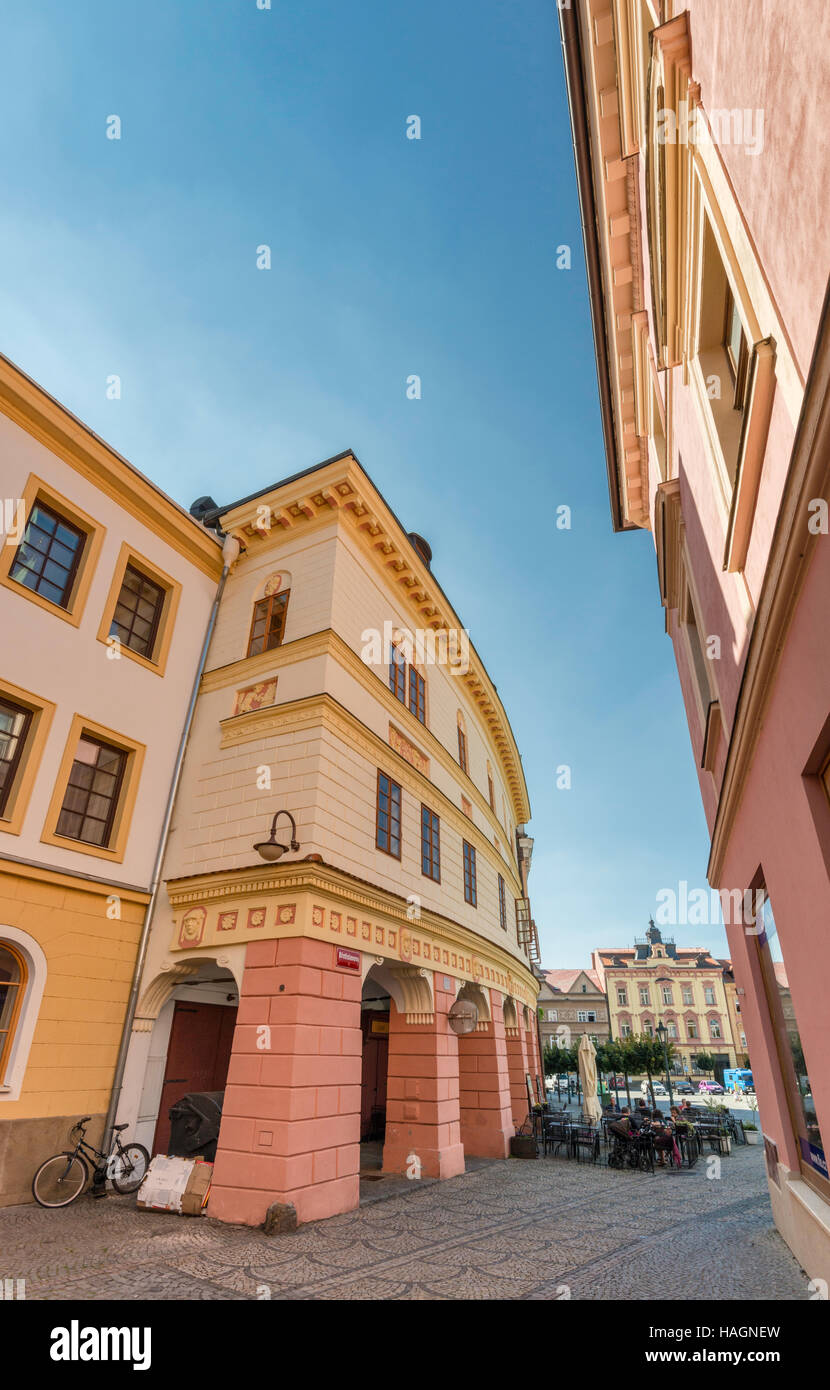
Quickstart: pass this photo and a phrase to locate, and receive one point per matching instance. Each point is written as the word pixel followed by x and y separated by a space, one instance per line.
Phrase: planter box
pixel 752 1136
pixel 523 1146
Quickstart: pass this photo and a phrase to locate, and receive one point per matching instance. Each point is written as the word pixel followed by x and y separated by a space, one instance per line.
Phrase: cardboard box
pixel 165 1183
pixel 197 1191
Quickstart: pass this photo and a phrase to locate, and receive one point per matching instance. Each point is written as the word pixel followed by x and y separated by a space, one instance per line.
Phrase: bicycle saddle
pixel 116 1129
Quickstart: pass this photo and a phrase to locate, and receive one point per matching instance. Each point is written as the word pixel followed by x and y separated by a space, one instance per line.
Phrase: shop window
pixel 268 623
pixel 430 845
pixel 791 1057
pixel 388 830
pixel 470 893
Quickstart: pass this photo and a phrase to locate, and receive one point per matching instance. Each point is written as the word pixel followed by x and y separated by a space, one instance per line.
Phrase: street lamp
pixel 662 1033
pixel 271 849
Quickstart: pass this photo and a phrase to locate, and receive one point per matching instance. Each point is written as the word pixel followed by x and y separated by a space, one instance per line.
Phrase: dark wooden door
pixel 198 1055
pixel 375 1069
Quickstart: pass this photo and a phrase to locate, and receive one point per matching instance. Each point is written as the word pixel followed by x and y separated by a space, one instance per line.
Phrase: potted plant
pixel 751 1130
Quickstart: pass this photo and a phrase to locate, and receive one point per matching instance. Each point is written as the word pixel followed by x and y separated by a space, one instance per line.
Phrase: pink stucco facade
pixel 708 263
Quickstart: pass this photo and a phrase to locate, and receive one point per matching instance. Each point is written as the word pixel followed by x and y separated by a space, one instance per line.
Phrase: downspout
pixel 230 554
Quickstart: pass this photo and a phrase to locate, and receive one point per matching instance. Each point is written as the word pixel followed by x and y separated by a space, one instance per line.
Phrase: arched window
pixel 13 977
pixel 268 621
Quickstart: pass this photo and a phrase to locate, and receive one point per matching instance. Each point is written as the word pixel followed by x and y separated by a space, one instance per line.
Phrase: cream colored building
pixel 340 688
pixel 105 591
pixel 683 987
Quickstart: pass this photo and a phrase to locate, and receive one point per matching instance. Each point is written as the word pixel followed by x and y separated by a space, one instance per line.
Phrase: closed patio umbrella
pixel 588 1072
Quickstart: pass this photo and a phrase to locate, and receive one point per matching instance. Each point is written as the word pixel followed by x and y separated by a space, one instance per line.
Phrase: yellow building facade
pixel 105 591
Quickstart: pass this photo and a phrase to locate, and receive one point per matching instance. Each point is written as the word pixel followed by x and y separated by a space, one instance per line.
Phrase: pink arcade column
pixel 486 1107
pixel 422 1111
pixel 518 1068
pixel 290 1128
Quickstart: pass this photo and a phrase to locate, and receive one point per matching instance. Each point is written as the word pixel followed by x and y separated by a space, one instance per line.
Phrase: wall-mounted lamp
pixel 271 849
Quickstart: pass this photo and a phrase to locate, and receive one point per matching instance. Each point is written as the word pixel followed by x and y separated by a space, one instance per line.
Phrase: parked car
pixel 712 1088
pixel 683 1088
pixel 657 1086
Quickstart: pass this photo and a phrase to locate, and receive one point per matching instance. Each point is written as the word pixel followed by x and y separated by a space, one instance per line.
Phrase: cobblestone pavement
pixel 509 1230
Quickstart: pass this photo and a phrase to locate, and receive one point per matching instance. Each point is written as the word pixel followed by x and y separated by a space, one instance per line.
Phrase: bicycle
pixel 62 1178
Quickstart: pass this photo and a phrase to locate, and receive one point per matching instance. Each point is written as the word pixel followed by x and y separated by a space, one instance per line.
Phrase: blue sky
pixel 287 127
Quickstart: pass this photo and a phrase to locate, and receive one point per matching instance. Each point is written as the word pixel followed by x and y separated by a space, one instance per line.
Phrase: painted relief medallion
pixel 193 926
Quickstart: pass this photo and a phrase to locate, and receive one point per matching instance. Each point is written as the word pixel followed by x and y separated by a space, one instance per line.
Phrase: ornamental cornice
pixel 311 898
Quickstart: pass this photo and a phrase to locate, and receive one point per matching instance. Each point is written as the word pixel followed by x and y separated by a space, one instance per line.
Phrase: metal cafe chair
pixel 585 1136
pixel 556 1134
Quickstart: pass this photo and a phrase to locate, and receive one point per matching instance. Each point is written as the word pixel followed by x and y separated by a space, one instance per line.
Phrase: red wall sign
pixel 348 960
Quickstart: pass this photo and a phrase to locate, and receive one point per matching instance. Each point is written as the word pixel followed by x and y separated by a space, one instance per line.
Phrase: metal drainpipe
pixel 230 553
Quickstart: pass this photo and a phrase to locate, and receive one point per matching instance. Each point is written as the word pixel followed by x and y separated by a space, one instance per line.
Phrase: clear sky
pixel 390 257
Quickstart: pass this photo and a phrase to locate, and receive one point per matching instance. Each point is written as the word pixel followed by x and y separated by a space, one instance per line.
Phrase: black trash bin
pixel 194 1125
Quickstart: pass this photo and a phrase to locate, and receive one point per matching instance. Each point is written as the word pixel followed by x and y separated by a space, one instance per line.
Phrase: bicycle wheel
pixel 129 1167
pixel 60 1180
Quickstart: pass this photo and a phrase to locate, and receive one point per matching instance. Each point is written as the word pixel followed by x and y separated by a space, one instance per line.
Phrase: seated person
pixel 641 1115
pixel 662 1137
pixel 622 1126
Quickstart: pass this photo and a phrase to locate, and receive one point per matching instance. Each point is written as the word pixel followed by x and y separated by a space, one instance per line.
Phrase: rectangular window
pixel 138 610
pixel 502 905
pixel 397 674
pixel 430 845
pixel 47 559
pixel 625 1030
pixel 691 1029
pixel 469 874
pixel 622 998
pixel 667 994
pixel 14 728
pixel 91 798
pixel 462 749
pixel 388 836
pixel 490 792
pixel 586 1016
pixel 644 1000
pixel 417 695
pixel 672 1030
pixel 552 1016
pixel 268 623
pixel 709 994
pixel 737 351
pixel 714 1028
pixel 687 994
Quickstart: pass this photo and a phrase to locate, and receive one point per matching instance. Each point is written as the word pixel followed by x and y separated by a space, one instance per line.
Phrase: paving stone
pixel 513 1230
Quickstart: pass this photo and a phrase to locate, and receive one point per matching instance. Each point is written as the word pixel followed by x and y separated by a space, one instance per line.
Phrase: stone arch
pixel 410 987
pixel 171 974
